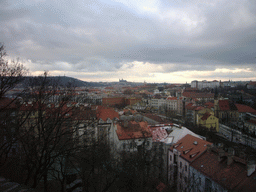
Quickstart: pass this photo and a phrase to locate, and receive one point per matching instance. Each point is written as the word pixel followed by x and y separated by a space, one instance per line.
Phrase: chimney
pixel 125 123
pixel 231 153
pixel 250 167
pixel 221 154
pixel 209 148
pixel 220 145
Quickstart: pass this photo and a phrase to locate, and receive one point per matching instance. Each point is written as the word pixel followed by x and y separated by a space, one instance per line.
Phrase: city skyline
pixel 156 41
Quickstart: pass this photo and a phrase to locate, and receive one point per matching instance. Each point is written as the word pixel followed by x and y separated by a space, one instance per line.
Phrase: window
pixel 199 180
pixel 186 168
pixel 185 178
pixel 180 164
pixel 175 158
pixel 180 176
pixel 170 157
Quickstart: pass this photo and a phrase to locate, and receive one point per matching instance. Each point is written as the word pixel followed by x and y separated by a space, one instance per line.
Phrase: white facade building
pixel 205 84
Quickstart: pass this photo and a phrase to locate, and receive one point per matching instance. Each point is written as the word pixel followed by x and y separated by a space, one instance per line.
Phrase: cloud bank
pixel 156 41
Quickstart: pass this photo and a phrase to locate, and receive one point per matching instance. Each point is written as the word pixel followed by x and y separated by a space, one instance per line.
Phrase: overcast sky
pixel 144 40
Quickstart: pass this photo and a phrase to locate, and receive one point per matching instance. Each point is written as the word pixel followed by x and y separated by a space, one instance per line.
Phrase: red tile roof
pixel 104 114
pixel 224 105
pixel 190 106
pixel 252 121
pixel 190 147
pixel 206 116
pixel 7 103
pixel 209 105
pixel 171 98
pixel 198 108
pixel 244 108
pixel 129 110
pixel 232 177
pixel 133 130
pixel 160 187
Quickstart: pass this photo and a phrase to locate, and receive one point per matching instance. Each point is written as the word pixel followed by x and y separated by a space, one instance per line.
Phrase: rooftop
pixel 105 113
pixel 190 147
pixel 158 134
pixel 232 177
pixel 132 130
pixel 244 108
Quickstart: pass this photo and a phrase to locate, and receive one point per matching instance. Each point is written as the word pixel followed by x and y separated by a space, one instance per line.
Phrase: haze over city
pixel 156 41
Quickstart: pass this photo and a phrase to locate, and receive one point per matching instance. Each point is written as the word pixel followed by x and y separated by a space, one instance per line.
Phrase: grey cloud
pixel 102 36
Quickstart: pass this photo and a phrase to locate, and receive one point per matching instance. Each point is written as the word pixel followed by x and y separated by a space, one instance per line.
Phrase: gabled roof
pixel 190 147
pixel 244 108
pixel 206 116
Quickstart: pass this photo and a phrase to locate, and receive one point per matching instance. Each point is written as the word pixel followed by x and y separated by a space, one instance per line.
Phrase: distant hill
pixel 63 80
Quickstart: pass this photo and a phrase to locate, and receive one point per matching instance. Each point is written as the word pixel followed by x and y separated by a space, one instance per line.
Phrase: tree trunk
pixel 63 185
pixel 28 177
pixel 45 182
pixel 35 181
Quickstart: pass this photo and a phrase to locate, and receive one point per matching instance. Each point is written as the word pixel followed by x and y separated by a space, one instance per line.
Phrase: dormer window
pixel 186 151
pixel 194 154
pixel 175 146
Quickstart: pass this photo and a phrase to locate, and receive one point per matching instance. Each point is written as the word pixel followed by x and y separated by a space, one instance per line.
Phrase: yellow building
pixel 209 121
pixel 200 114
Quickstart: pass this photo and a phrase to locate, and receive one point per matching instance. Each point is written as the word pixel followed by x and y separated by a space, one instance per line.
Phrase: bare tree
pixel 11 74
pixel 47 133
